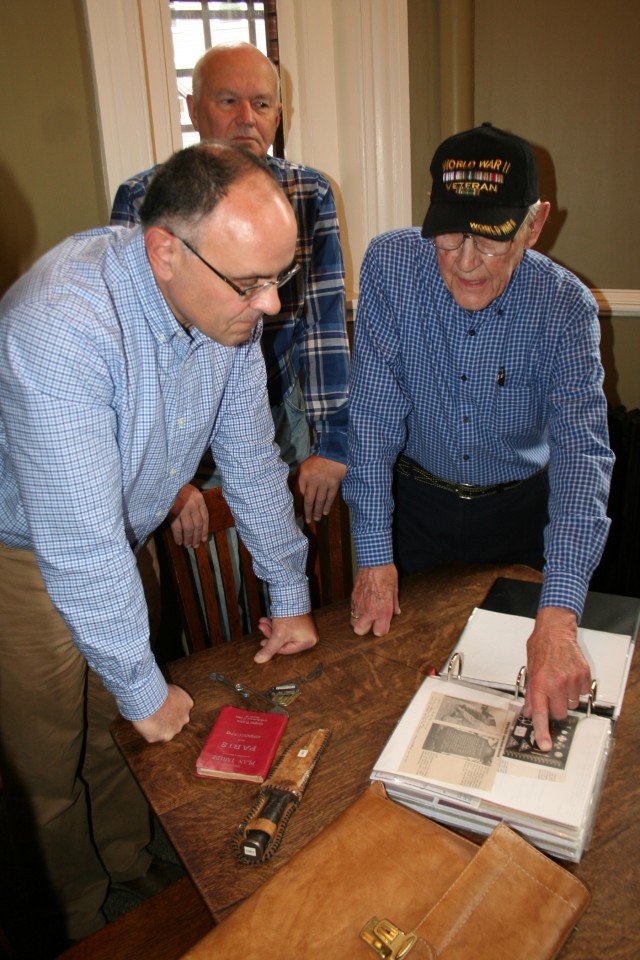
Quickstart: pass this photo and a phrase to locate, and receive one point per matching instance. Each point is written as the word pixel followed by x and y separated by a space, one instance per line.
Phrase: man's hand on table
pixel 374 599
pixel 169 720
pixel 285 635
pixel 557 672
pixel 318 480
pixel 189 517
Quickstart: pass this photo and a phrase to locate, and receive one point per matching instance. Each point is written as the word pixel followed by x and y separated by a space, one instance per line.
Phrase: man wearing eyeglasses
pixel 236 98
pixel 123 354
pixel 478 428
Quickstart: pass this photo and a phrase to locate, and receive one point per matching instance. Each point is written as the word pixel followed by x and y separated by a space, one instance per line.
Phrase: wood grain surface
pixel 364 687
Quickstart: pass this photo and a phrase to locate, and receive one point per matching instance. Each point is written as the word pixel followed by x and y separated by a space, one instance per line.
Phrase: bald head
pixel 236 97
pixel 251 57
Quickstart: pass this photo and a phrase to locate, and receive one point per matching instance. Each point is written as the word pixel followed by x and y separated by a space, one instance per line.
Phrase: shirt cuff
pixel 374 550
pixel 289 600
pixel 330 442
pixel 140 704
pixel 564 590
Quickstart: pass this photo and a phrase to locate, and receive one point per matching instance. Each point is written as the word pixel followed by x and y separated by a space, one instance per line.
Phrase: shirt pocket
pixel 514 410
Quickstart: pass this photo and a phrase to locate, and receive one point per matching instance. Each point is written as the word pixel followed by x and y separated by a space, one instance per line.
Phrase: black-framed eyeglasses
pixel 244 292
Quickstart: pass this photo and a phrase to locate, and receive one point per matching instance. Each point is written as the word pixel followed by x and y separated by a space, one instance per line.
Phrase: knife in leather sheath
pixel 259 836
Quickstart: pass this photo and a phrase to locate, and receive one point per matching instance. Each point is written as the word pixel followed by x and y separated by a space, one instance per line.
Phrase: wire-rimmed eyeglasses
pixel 244 292
pixel 449 242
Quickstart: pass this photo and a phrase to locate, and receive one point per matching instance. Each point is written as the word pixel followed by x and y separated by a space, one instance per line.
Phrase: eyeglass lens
pixel 277 283
pixel 246 291
pixel 449 242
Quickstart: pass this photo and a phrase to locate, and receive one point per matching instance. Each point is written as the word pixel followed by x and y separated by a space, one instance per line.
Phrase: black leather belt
pixel 466 491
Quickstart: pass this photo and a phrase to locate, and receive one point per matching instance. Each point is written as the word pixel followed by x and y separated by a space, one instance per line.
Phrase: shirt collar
pixel 158 315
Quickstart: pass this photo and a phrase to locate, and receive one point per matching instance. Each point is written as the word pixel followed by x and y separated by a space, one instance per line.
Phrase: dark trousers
pixel 433 527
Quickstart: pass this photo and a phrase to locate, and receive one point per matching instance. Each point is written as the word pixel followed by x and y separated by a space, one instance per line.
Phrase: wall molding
pixel 618 303
pixel 611 303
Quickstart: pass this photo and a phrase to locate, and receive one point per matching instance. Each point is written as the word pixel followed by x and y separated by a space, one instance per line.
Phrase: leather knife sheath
pixel 260 834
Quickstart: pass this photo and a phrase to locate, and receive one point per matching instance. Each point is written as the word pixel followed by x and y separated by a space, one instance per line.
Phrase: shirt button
pixel 181 422
pixel 464 378
pixel 172 472
pixel 466 457
pixel 159 514
pixel 465 419
pixel 161 338
pixel 471 332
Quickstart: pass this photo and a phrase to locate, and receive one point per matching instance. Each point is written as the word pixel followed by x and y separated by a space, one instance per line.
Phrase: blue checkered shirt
pixel 106 406
pixel 480 397
pixel 309 335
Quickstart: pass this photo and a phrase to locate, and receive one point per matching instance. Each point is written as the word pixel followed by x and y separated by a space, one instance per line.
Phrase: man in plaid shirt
pixel 236 98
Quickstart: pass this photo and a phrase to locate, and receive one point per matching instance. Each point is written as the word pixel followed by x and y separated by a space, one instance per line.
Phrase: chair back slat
pixel 231 586
pixel 186 590
pixel 210 598
pixel 217 590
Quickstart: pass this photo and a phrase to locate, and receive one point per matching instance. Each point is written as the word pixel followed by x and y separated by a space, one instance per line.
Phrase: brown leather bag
pixel 383 881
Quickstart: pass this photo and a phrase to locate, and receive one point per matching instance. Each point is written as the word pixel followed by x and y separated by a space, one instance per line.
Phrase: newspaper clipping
pixel 459 741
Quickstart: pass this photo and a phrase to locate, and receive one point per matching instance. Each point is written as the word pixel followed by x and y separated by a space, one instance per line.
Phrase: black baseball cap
pixel 484 181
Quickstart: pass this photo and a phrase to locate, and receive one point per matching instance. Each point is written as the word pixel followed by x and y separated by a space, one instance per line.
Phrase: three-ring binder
pixel 454 672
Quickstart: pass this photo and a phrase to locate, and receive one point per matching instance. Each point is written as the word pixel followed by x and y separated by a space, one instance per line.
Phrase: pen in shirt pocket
pixel 501 377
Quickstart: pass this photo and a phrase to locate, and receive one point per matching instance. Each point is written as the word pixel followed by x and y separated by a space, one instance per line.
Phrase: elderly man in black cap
pixel 478 428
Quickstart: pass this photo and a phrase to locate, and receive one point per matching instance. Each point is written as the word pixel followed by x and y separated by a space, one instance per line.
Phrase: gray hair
pixel 532 213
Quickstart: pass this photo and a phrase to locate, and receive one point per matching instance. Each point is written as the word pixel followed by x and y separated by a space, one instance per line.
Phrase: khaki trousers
pixel 76 814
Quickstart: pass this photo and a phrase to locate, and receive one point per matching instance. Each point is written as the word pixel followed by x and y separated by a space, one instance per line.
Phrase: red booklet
pixel 241 745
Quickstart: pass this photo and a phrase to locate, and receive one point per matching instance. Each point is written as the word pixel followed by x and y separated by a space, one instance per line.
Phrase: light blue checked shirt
pixel 106 406
pixel 309 335
pixel 425 381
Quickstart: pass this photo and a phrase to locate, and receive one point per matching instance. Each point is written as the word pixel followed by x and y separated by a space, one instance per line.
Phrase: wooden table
pixel 365 686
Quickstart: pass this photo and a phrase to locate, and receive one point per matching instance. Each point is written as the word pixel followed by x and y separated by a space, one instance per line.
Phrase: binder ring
pixel 521 683
pixel 454 668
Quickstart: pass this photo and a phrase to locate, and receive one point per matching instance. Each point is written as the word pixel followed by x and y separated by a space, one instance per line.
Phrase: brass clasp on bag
pixel 386 939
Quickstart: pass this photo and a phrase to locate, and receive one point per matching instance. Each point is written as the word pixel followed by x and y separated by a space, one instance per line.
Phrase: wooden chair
pixel 161 928
pixel 217 591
